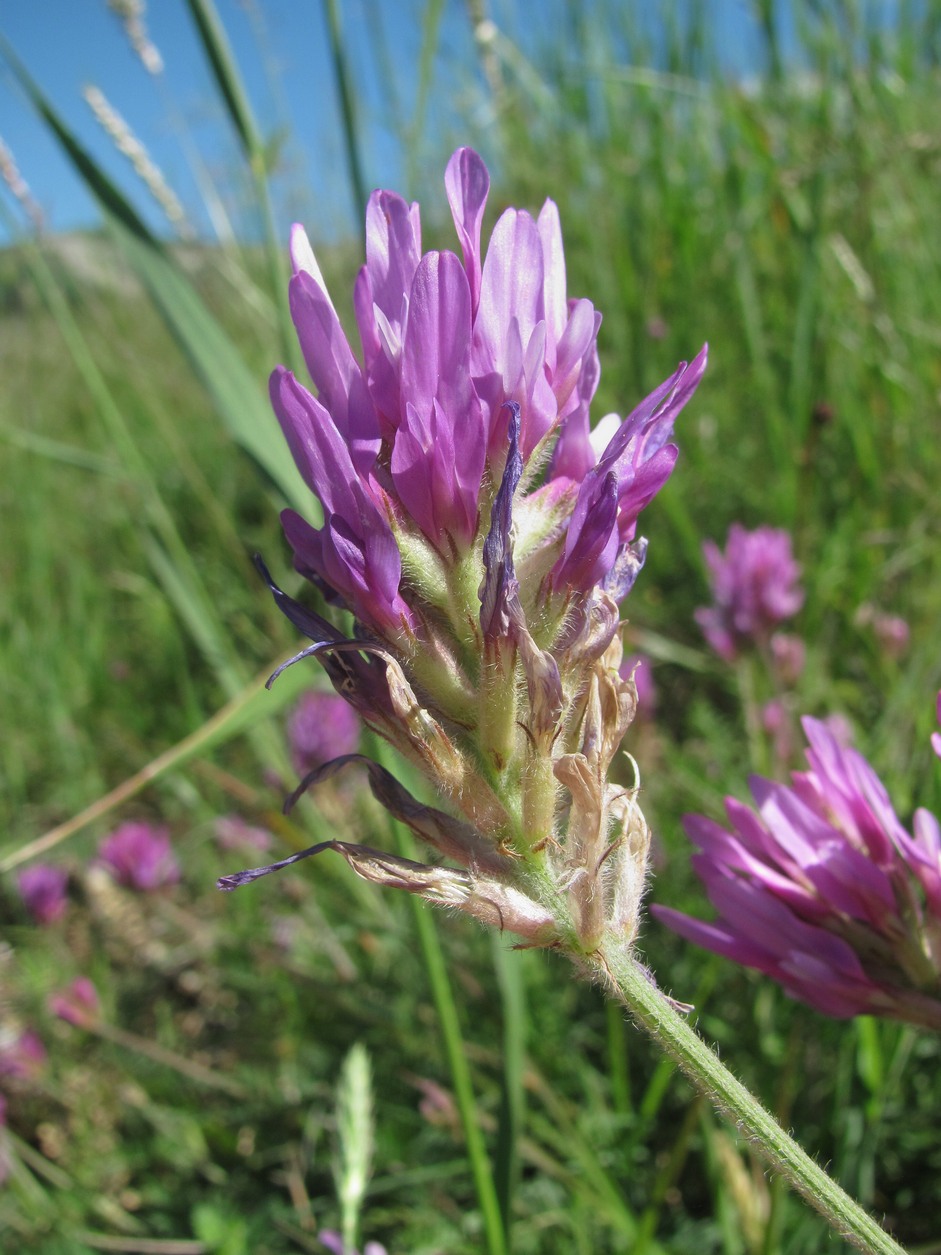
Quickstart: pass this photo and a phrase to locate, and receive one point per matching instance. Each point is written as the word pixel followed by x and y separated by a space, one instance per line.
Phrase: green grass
pixel 795 227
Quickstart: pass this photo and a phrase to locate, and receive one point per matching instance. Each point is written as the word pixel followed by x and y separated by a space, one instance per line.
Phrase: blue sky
pixel 66 44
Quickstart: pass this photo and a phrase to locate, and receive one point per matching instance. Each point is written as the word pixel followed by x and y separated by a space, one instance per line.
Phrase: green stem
pixel 626 980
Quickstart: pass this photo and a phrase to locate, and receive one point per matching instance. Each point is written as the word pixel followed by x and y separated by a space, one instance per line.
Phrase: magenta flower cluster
pixel 412 442
pixel 754 588
pixel 824 889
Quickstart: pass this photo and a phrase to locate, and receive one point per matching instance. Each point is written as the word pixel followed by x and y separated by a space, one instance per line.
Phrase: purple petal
pixel 467 184
pixel 335 371
pixel 440 449
pixel 317 446
pixel 555 301
pixel 574 346
pixel 648 427
pixel 591 541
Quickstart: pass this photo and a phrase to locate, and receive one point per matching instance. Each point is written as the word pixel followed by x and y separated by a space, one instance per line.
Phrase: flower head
pixel 754 588
pixel 140 856
pixel 321 726
pixel 482 536
pixel 43 890
pixel 824 889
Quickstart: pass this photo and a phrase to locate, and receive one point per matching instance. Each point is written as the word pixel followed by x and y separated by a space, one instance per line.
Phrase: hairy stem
pixel 625 979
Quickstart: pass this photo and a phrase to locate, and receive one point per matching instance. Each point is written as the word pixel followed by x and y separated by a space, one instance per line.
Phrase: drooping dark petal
pixel 449 836
pixel 237 879
pixel 500 587
pixel 304 619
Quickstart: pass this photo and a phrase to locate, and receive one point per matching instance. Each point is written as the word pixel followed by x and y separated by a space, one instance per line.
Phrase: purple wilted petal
pixel 451 837
pixel 500 587
pixel 467 184
pixel 440 448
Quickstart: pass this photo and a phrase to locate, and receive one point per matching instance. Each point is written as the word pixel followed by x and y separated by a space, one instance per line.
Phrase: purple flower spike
pixel 823 889
pixel 481 536
pixel 322 726
pixel 754 588
pixel 43 890
pixel 140 856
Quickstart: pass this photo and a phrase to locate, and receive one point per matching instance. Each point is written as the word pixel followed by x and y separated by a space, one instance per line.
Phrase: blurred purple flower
pixel 78 1003
pixel 322 726
pixel 233 833
pixel 892 633
pixel 754 588
pixel 777 723
pixel 140 856
pixel 43 890
pixel 824 890
pixel 22 1056
pixel 789 654
pixel 936 736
